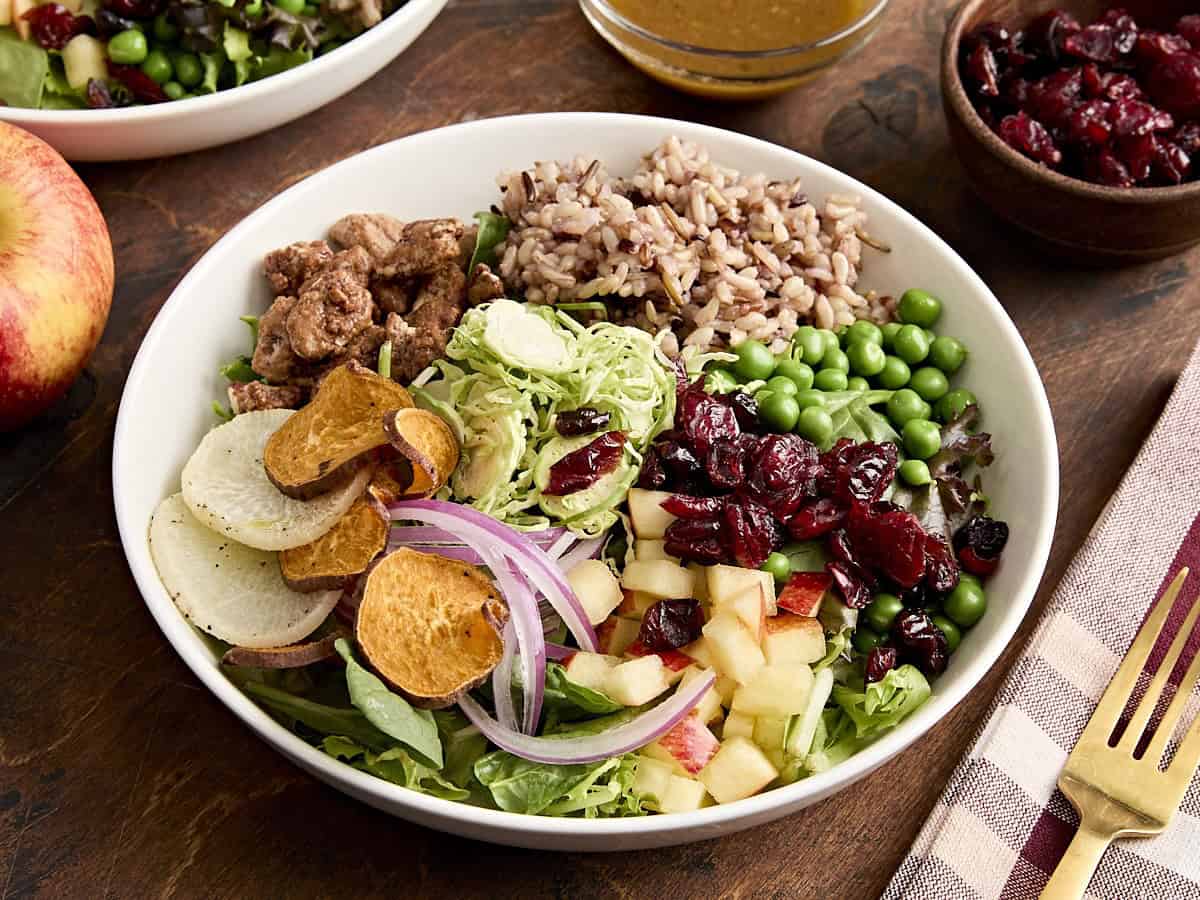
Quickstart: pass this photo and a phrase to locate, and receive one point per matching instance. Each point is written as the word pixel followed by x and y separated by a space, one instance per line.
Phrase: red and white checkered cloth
pixel 1001 826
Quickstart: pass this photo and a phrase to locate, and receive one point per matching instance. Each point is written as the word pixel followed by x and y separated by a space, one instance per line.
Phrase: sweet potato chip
pixel 293 656
pixel 334 433
pixel 430 626
pixel 343 552
pixel 392 478
pixel 428 443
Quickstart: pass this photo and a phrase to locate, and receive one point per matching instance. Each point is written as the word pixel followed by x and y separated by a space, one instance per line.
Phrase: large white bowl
pixel 181 126
pixel 166 410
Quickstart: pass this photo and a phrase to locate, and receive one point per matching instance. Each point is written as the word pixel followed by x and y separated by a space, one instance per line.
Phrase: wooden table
pixel 121 777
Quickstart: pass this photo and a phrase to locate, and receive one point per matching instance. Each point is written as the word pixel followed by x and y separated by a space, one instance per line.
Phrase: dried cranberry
pixel 867 473
pixel 705 419
pixel 984 535
pixel 839 546
pixel 142 86
pixel 851 583
pixel 1103 167
pixel 1052 98
pixel 585 420
pixel 975 564
pixel 1154 46
pixel 652 476
pixel 782 460
pixel 880 661
pixel 1015 91
pixel 679 461
pixel 941 568
pixel 670 624
pixel 1130 117
pixel 1174 84
pixel 981 70
pixel 1125 28
pixel 688 507
pixel 724 465
pixel 992 34
pixel 921 641
pixel 1137 153
pixel 1170 164
pixel 1088 123
pixel 745 409
pixel 135 9
pixel 109 23
pixel 816 518
pixel 1096 42
pixel 1045 34
pixel 1189 29
pixel 52 25
pixel 1030 138
pixel 1187 138
pixel 751 533
pixel 582 468
pixel 893 542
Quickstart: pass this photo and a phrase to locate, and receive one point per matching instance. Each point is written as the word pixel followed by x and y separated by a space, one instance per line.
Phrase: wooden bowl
pixel 1082 221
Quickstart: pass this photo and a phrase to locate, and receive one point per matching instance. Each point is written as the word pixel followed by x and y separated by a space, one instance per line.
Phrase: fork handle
pixel 1075 869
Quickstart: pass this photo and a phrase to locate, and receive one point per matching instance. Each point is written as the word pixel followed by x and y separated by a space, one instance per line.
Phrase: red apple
pixel 804 591
pixel 56 276
pixel 690 744
pixel 672 659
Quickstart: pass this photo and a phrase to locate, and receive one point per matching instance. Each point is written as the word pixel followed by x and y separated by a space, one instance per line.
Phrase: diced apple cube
pixel 726 582
pixel 674 662
pixel 738 724
pixel 660 578
pixel 749 606
pixel 596 587
pixel 683 795
pixel 6 12
pixel 698 650
pixel 689 743
pixel 649 549
pixel 83 59
pixel 726 687
pixel 804 592
pixel 590 669
pixel 835 615
pixel 793 639
pixel 734 649
pixel 634 604
pixel 770 732
pixel 776 757
pixel 739 770
pixel 614 635
pixel 779 690
pixel 804 727
pixel 23 25
pixel 701 573
pixel 650 520
pixel 709 707
pixel 637 681
pixel 653 779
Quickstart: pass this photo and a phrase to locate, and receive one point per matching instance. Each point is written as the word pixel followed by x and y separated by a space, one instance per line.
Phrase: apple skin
pixel 56 276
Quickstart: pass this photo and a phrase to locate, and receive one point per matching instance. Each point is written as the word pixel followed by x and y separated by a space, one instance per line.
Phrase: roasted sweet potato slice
pixel 343 552
pixel 293 656
pixel 335 432
pixel 428 443
pixel 430 626
pixel 392 478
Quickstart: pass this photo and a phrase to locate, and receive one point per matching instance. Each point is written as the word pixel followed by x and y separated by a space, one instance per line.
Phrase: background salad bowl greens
pixel 451 171
pixel 182 126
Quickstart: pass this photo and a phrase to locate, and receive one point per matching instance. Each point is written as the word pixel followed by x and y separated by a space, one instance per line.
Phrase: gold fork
pixel 1116 793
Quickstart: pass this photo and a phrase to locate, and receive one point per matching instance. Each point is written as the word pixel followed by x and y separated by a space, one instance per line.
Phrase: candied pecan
pixel 437 309
pixel 334 305
pixel 255 395
pixel 289 267
pixel 377 233
pixel 424 247
pixel 484 285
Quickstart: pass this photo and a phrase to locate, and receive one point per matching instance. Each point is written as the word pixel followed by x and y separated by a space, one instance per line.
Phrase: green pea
pixel 754 361
pixel 947 353
pixel 780 384
pixel 718 380
pixel 918 307
pixel 863 330
pixel 779 566
pixel 810 398
pixel 831 380
pixel 858 384
pixel 950 630
pixel 164 28
pixel 922 438
pixel 914 472
pixel 930 335
pixel 865 640
pixel 882 611
pixel 188 69
pixel 930 383
pixel 866 358
pixel 254 9
pixel 295 7
pixel 809 345
pixel 128 48
pixel 968 578
pixel 158 67
pixel 832 340
pixel 894 374
pixel 778 411
pixel 799 372
pixel 951 405
pixel 911 344
pixel 888 332
pixel 966 604
pixel 836 359
pixel 174 90
pixel 816 425
pixel 904 405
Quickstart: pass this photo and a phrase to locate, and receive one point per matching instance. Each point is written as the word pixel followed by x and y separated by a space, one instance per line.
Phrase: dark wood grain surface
pixel 121 777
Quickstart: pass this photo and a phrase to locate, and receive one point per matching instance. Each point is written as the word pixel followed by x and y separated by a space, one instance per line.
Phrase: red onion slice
pixel 526 622
pixel 586 549
pixel 593 747
pixel 483 532
pixel 558 652
pixel 426 534
pixel 502 679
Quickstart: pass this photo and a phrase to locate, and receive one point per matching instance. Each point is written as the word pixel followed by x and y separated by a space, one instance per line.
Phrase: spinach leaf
pixel 349 723
pixel 523 786
pixel 393 765
pixel 570 701
pixel 874 425
pixel 492 230
pixel 391 713
pixel 24 67
pixel 239 371
pixel 462 743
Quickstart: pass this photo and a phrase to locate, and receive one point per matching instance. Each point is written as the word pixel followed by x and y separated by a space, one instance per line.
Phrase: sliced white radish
pixel 226 487
pixel 231 591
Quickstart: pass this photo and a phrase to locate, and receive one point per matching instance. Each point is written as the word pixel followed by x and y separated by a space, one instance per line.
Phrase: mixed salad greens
pixel 110 53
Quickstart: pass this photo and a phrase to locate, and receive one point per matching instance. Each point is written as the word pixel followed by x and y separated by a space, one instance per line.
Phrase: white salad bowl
pixel 166 409
pixel 182 126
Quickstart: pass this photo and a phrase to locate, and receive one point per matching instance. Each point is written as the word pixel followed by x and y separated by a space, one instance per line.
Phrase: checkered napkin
pixel 1001 826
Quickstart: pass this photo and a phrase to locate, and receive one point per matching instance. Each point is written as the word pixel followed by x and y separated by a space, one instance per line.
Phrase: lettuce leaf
pixel 493 229
pixel 462 744
pixel 883 704
pixel 590 790
pixel 394 765
pixel 322 719
pixel 569 700
pixel 24 67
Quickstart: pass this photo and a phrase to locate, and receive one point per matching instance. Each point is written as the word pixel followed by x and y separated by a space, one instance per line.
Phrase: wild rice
pixel 689 243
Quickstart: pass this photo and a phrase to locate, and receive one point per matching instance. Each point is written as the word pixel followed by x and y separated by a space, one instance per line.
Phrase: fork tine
pixel 1112 704
pixel 1145 709
pixel 1179 702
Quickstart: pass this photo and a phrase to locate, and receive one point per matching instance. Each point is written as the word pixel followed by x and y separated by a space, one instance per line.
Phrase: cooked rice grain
pixel 686 242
